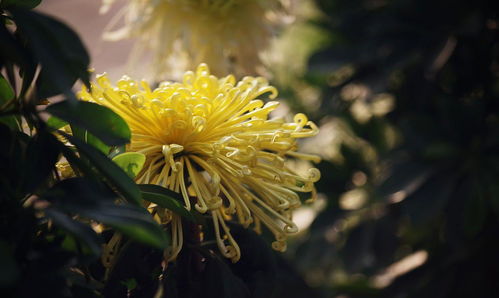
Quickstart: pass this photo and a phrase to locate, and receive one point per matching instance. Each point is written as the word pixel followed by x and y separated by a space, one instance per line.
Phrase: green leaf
pixel 89 199
pixel 41 156
pixel 165 198
pixel 130 284
pixel 220 281
pixel 11 121
pixel 57 48
pixel 56 123
pixel 132 221
pixel 98 120
pixel 112 172
pixel 6 92
pixel 14 51
pixel 97 143
pixel 13 146
pixel 78 229
pixel 89 138
pixel 27 4
pixel 131 162
pixel 214 279
pixel 78 132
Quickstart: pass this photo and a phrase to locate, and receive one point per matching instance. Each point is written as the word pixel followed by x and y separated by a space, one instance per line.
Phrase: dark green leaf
pixel 27 4
pixel 78 132
pixel 97 143
pixel 132 221
pixel 78 229
pixel 190 276
pixel 98 120
pixel 89 138
pixel 57 48
pixel 90 200
pixel 130 162
pixel 6 92
pixel 165 198
pixel 130 284
pixel 56 123
pixel 42 154
pixel 78 164
pixel 219 281
pixel 13 51
pixel 11 121
pixel 112 172
pixel 12 158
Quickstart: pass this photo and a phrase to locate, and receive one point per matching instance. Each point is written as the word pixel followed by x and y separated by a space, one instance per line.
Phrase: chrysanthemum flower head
pixel 210 139
pixel 226 34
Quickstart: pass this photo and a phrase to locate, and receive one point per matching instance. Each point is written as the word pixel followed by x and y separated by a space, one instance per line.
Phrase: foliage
pixel 46 222
pixel 427 171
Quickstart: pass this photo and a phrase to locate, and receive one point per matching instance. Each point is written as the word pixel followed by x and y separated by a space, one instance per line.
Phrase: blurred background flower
pixel 179 34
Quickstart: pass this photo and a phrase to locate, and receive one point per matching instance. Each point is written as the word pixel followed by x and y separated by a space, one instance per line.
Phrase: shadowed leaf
pixel 165 198
pixel 98 120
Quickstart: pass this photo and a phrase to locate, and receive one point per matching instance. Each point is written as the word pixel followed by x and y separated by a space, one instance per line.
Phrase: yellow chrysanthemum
pixel 226 34
pixel 211 140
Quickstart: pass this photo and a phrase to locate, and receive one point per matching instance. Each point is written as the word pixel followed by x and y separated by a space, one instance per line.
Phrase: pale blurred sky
pixel 83 17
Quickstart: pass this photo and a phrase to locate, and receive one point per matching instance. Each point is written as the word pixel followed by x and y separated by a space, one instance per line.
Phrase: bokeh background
pixel 84 18
pixel 407 97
